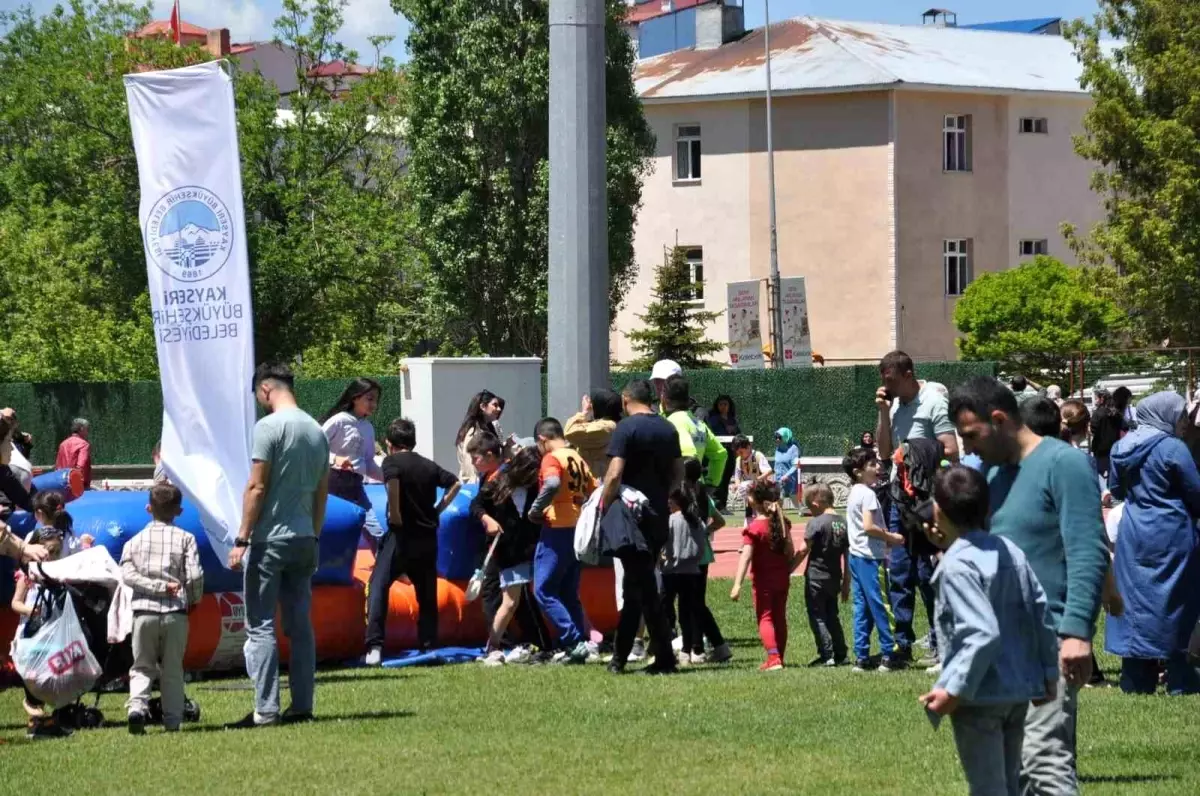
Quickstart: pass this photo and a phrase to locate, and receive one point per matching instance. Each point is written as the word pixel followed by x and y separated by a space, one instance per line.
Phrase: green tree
pixel 1033 317
pixel 674 327
pixel 479 176
pixel 331 264
pixel 1143 130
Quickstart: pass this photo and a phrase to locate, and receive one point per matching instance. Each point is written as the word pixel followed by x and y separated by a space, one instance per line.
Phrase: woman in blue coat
pixel 1157 560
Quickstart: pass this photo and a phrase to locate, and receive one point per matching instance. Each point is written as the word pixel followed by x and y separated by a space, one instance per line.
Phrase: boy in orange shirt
pixel 565 482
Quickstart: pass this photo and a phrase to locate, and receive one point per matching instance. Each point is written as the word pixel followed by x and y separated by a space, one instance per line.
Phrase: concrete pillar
pixel 578 302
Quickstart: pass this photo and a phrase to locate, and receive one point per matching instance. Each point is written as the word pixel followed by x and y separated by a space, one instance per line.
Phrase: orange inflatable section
pixel 463 623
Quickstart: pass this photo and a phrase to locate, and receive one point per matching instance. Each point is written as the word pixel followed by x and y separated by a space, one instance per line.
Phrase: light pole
pixel 578 309
pixel 773 283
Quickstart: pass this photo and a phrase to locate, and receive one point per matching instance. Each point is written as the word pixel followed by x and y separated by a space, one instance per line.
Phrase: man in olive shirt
pixel 277 545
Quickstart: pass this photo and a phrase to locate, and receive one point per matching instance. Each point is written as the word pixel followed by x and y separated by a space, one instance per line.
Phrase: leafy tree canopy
pixel 479 174
pixel 1144 132
pixel 1034 317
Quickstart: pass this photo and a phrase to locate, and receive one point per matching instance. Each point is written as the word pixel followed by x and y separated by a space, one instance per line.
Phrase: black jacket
pixel 519 541
pixel 1107 425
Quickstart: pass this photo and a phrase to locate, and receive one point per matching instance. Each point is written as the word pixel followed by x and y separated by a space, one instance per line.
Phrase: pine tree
pixel 674 327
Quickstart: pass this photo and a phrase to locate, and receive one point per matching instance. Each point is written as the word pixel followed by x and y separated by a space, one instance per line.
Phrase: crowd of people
pixel 1007 551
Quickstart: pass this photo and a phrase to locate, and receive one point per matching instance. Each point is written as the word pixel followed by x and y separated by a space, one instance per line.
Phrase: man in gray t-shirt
pixel 909 409
pixel 277 546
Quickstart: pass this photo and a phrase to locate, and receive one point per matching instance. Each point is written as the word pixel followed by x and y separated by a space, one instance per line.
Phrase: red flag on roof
pixel 175 23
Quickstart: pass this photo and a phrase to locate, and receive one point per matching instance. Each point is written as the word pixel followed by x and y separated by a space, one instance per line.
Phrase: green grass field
pixel 466 729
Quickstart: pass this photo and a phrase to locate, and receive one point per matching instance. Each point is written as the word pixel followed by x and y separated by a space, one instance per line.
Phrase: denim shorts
pixel 516 576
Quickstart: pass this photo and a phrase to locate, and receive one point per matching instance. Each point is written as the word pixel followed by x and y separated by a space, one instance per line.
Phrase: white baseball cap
pixel 665 369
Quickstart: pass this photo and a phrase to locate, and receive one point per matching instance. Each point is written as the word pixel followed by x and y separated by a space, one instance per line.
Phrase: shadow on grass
pixel 320 718
pixel 1124 779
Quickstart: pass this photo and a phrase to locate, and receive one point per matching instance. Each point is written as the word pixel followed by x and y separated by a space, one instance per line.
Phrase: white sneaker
pixel 683 659
pixel 638 653
pixel 698 658
pixel 721 654
pixel 677 643
pixel 593 652
pixel 517 655
pixel 935 670
pixel 374 657
pixel 560 657
pixel 494 658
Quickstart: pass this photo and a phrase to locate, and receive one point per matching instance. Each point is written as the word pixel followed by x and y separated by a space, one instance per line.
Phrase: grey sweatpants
pixel 159 642
pixel 1048 756
pixel 989 740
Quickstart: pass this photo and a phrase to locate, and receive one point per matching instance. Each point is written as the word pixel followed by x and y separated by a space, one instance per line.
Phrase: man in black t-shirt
pixel 828 547
pixel 410 545
pixel 645 456
pixel 1107 425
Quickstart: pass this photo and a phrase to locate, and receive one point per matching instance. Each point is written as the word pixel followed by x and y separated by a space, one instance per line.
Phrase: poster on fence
pixel 797 341
pixel 193 229
pixel 745 332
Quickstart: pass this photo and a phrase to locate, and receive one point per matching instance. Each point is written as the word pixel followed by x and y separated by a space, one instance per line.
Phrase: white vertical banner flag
pixel 193 227
pixel 797 341
pixel 745 332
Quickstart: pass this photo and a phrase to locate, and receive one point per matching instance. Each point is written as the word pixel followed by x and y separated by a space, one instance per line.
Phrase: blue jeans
pixel 556 574
pixel 868 583
pixel 907 575
pixel 280 573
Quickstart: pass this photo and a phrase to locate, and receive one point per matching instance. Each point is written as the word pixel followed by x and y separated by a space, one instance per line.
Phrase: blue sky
pixel 249 20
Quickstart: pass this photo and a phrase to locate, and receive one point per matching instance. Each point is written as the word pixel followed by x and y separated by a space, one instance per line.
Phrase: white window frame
pixel 1033 125
pixel 956 143
pixel 685 136
pixel 695 261
pixel 956 260
pixel 1032 247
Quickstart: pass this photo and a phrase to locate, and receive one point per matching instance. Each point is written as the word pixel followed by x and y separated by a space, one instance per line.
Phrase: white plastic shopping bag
pixel 55 661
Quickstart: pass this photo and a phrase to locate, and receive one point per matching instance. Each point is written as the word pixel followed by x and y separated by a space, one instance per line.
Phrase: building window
pixel 1032 248
pixel 1035 125
pixel 695 260
pixel 956 143
pixel 956 262
pixel 687 153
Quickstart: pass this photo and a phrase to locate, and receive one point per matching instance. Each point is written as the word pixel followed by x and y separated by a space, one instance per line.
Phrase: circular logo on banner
pixel 188 234
pixel 233 612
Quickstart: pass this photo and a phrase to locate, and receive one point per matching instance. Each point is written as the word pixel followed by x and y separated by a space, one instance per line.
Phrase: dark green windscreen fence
pixel 826 408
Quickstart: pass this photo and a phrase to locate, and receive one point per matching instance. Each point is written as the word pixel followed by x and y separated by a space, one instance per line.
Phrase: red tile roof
pixel 162 27
pixel 654 8
pixel 339 69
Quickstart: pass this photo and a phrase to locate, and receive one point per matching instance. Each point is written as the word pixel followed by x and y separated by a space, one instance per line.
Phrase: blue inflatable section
pixel 57 481
pixel 460 539
pixel 113 518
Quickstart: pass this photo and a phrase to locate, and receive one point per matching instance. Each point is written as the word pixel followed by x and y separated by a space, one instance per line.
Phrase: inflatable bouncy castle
pixel 217 626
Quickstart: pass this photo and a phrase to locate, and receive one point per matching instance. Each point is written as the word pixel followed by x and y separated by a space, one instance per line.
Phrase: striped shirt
pixel 156 557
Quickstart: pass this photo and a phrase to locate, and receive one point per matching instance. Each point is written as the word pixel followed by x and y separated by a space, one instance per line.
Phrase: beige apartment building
pixel 908 160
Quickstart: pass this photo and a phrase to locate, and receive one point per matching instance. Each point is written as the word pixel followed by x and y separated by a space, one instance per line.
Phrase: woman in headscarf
pixel 723 421
pixel 787 466
pixel 1157 560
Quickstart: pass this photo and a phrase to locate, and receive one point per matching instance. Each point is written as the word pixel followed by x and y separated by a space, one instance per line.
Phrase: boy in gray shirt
pixel 999 648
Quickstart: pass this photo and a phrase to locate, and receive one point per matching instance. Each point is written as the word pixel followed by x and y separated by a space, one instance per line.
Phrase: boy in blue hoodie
pixel 999 647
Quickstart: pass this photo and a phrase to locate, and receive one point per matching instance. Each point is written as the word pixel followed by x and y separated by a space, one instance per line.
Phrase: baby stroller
pixel 81 587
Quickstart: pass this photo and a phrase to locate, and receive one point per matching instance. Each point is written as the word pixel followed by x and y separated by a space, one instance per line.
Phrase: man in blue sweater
pixel 1043 499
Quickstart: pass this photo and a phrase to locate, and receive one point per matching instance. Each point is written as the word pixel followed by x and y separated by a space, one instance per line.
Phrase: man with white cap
pixel 663 369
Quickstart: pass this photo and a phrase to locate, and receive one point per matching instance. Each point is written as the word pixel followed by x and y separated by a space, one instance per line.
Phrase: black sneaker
pixel 656 669
pixel 290 717
pixel 862 665
pixel 137 723
pixel 820 660
pixel 616 668
pixel 42 729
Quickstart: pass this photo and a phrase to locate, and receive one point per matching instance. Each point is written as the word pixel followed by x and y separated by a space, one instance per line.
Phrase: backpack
pixel 915 462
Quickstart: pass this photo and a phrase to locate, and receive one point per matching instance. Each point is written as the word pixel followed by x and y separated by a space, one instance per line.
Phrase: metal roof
pixel 815 55
pixel 1015 25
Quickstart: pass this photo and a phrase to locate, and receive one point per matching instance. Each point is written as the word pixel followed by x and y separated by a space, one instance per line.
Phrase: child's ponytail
pixel 766 495
pixel 53 508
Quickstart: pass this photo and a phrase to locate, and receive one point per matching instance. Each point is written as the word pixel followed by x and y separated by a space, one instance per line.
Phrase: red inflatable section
pixel 217 628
